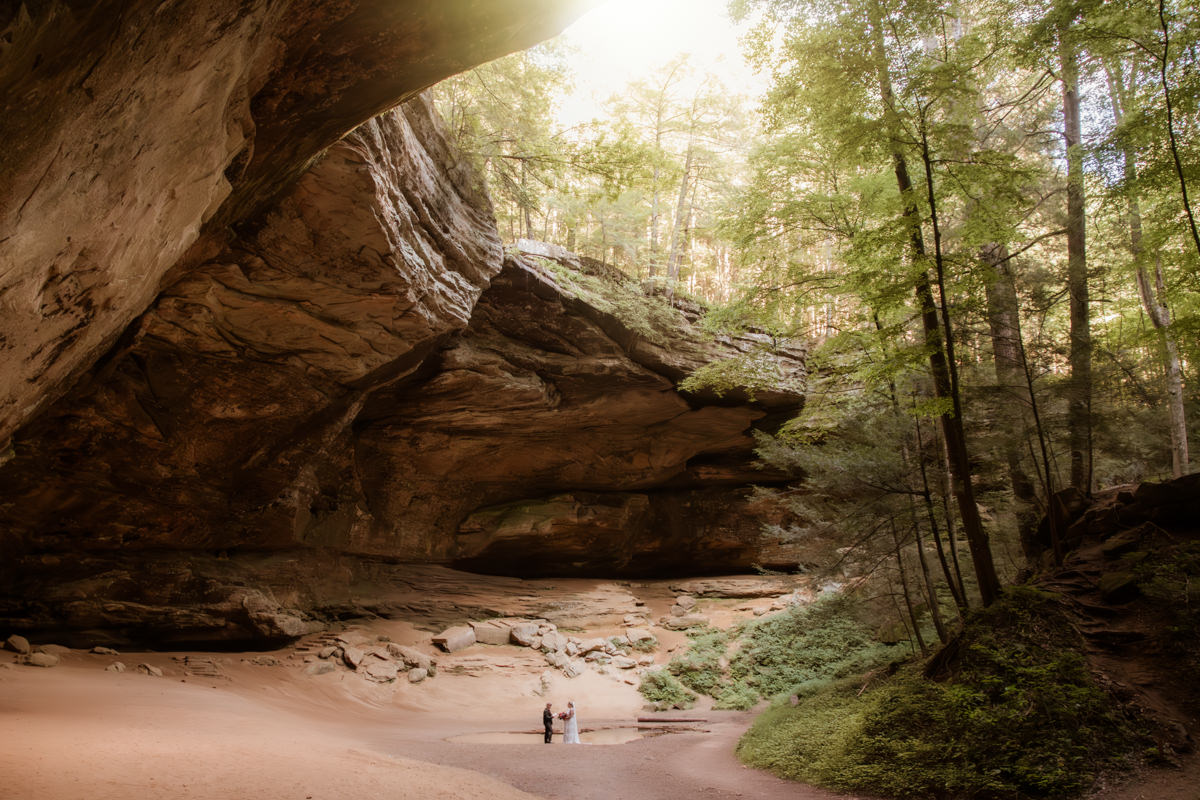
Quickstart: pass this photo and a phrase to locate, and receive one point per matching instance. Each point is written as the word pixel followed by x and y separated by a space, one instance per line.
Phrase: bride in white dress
pixel 571 725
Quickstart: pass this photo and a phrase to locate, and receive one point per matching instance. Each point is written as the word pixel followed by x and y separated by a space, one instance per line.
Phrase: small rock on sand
pixel 40 659
pixel 18 644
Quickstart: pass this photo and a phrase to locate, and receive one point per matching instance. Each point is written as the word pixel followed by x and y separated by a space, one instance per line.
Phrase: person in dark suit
pixel 548 722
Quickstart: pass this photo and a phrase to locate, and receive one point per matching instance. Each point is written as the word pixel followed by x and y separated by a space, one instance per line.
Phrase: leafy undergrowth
pixel 664 691
pixel 792 652
pixel 1016 715
pixel 1169 578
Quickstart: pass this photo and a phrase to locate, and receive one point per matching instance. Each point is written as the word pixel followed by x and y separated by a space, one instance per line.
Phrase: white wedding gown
pixel 571 730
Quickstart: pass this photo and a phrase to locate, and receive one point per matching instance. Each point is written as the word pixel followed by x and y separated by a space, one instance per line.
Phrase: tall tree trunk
pixel 943 378
pixel 1163 63
pixel 1079 396
pixel 1005 324
pixel 1154 301
pixel 681 212
pixel 948 513
pixel 956 588
pixel 908 603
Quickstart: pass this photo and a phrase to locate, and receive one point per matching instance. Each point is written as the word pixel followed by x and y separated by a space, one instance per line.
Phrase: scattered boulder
pixel 150 669
pixel 381 671
pixel 412 657
pixel 592 645
pixel 327 651
pixel 1124 542
pixel 686 602
pixel 624 662
pixel 52 649
pixel 684 622
pixel 40 659
pixel 380 653
pixel 115 666
pixel 1118 587
pixel 637 635
pixel 18 644
pixel 417 674
pixel 553 642
pixel 353 656
pixel 573 669
pixel 454 639
pixel 492 631
pixel 104 651
pixel 525 633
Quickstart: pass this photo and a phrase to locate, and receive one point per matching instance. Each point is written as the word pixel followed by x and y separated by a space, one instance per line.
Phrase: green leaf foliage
pixel 1017 716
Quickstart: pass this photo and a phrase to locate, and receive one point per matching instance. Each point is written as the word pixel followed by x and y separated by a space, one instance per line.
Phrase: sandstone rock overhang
pixel 136 132
pixel 232 360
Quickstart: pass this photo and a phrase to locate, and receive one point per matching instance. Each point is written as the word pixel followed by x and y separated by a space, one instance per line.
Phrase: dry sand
pixel 271 731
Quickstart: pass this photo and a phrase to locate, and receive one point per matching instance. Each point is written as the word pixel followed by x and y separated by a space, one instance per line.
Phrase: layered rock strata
pixel 359 378
pixel 136 131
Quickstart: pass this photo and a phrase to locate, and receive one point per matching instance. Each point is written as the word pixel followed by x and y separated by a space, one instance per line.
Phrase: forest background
pixel 979 214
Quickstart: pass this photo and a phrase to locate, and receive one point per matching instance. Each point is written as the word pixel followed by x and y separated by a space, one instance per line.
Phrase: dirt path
pixel 671 766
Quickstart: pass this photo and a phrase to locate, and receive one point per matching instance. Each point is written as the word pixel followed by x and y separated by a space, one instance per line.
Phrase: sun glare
pixel 625 40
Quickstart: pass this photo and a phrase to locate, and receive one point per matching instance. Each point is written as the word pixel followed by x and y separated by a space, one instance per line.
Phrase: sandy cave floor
pixel 271 731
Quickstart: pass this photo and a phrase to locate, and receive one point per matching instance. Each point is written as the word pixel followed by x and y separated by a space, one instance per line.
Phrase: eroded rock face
pixel 224 420
pixel 135 131
pixel 358 377
pixel 556 406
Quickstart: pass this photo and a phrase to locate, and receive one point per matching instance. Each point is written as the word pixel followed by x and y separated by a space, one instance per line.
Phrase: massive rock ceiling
pixel 259 343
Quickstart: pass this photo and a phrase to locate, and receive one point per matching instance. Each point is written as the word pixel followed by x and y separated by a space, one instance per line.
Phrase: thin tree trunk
pixel 680 215
pixel 956 588
pixel 943 376
pixel 1079 423
pixel 1162 74
pixel 1154 301
pixel 948 513
pixel 912 613
pixel 1005 323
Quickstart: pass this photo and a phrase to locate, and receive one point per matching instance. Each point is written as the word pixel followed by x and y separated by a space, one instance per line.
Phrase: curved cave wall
pixel 253 364
pixel 136 131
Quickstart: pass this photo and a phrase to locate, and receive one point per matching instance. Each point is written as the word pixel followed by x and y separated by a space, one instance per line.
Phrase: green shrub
pixel 738 697
pixel 700 666
pixel 1018 717
pixel 819 642
pixel 664 691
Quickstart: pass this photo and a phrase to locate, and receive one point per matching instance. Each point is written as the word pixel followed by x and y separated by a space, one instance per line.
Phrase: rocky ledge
pixel 364 377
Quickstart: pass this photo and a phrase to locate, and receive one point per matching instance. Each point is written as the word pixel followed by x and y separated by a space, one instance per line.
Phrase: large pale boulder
pixel 459 637
pixel 492 631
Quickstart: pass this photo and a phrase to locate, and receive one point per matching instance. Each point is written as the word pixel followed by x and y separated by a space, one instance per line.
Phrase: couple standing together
pixel 570 723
